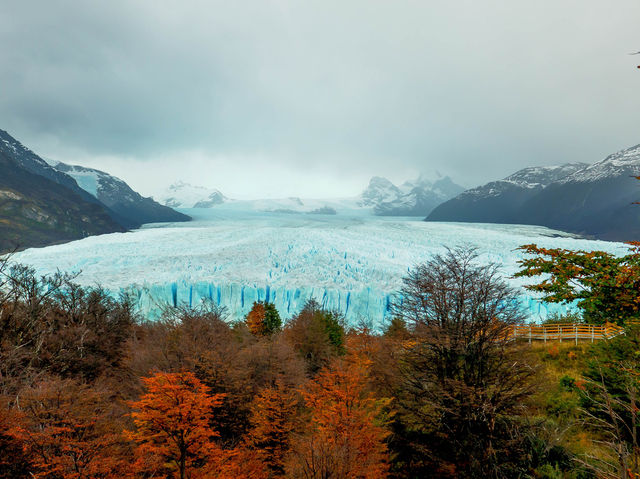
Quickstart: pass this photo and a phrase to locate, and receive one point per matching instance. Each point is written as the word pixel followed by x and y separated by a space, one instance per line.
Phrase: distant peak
pixel 179 184
pixel 380 181
pixel 181 194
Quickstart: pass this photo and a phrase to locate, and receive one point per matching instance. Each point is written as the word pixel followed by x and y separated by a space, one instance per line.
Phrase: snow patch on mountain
pixel 105 187
pixel 89 179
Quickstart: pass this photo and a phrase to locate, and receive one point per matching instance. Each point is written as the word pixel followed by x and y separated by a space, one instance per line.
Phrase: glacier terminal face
pixel 349 261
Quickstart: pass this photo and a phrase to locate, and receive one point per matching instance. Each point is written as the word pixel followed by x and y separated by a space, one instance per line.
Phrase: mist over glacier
pixel 352 262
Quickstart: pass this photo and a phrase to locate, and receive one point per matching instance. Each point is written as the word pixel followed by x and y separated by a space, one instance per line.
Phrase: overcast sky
pixel 311 98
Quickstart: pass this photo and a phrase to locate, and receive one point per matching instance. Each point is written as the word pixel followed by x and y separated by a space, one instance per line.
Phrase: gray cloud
pixel 318 96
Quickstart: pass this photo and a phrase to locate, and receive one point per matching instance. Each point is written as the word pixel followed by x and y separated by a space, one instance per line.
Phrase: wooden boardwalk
pixel 565 332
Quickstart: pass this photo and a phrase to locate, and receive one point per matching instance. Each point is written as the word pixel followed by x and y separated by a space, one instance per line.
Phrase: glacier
pixel 352 262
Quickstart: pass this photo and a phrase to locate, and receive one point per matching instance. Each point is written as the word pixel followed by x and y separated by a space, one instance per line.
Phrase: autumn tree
pixel 50 325
pixel 274 414
pixel 172 426
pixel 180 339
pixel 606 286
pixel 15 460
pixel 263 319
pixel 346 432
pixel 71 431
pixel 463 384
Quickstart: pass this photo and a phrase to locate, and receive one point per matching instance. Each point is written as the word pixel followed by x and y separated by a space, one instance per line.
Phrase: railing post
pixel 544 334
pixel 560 332
pixel 529 334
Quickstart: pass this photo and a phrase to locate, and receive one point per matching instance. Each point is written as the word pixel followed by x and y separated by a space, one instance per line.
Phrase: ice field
pixel 353 262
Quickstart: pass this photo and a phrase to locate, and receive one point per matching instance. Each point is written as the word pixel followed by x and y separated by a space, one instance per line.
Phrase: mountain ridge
pixel 130 208
pixel 593 200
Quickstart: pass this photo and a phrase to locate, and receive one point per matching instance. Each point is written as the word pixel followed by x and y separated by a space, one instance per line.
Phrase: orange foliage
pixel 273 417
pixel 235 463
pixel 172 426
pixel 14 456
pixel 68 431
pixel 605 285
pixel 346 433
pixel 255 319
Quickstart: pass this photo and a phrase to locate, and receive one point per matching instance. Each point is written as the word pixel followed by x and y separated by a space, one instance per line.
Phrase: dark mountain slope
pixel 31 162
pixel 501 201
pixel 37 211
pixel 593 200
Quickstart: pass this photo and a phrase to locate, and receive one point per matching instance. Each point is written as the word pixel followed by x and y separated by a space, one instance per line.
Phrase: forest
pixel 88 389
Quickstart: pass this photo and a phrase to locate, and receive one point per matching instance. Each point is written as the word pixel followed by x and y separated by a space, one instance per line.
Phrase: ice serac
pixel 366 304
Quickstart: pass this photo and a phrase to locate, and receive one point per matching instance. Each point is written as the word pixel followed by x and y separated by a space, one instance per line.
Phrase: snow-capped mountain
pixel 380 190
pixel 412 198
pixel 130 208
pixel 593 200
pixel 185 195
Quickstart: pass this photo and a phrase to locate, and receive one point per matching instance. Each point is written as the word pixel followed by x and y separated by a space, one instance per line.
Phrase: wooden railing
pixel 566 332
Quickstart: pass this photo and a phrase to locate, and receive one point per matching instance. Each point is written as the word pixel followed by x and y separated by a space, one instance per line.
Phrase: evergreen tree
pixel 263 319
pixel 272 321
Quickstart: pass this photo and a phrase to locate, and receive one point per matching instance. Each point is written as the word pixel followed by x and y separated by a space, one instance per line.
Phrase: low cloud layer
pixel 273 98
